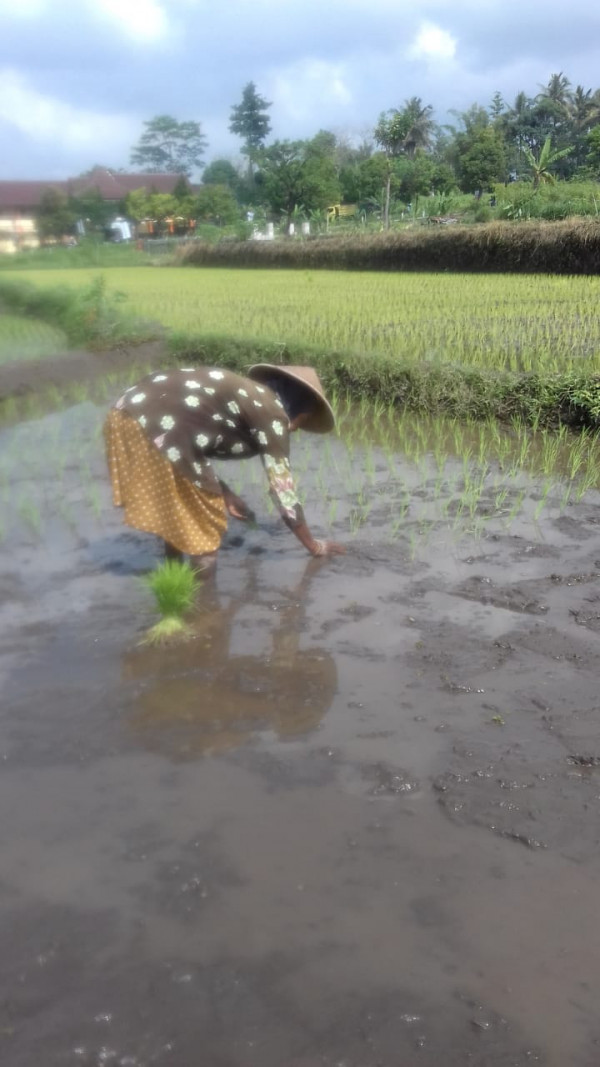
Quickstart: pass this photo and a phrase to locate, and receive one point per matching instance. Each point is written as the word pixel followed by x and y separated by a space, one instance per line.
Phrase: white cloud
pixel 301 89
pixel 432 42
pixel 142 20
pixel 47 120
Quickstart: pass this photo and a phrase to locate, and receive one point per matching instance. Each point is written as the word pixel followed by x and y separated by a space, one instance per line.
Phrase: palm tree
pixel 585 109
pixel 420 125
pixel 557 91
pixel 518 126
pixel 540 167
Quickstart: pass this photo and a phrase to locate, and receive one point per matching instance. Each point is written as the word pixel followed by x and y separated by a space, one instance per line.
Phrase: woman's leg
pixel 173 553
pixel 204 565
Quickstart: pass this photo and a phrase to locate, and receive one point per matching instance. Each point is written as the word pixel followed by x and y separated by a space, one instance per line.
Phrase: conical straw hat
pixel 322 419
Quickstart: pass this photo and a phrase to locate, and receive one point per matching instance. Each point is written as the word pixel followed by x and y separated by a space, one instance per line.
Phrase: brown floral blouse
pixel 203 413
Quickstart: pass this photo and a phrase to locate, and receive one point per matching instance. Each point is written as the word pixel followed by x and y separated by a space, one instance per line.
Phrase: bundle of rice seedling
pixel 174 585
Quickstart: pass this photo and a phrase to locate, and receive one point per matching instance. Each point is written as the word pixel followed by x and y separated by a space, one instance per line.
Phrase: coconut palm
pixel 557 92
pixel 540 167
pixel 585 109
pixel 420 125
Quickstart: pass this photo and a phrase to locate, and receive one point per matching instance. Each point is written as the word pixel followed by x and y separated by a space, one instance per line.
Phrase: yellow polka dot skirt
pixel 154 496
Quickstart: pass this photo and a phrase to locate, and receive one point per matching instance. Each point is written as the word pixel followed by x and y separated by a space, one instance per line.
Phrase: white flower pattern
pixel 242 433
pixel 282 484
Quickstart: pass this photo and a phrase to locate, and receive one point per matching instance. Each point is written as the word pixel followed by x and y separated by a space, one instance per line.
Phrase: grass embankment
pixel 23 339
pixel 82 315
pixel 568 247
pixel 471 346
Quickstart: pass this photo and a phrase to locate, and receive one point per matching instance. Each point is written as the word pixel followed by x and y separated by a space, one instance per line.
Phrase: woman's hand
pixel 328 548
pixel 235 505
pixel 238 509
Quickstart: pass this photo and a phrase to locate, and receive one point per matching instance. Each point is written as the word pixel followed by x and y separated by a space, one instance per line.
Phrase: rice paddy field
pixel 520 323
pixel 354 817
pixel 351 818
pixel 22 338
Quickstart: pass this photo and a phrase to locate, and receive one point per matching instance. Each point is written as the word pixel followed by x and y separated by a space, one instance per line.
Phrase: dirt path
pixel 354 821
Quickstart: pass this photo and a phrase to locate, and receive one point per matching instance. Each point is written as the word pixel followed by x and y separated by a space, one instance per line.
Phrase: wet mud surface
pixel 353 821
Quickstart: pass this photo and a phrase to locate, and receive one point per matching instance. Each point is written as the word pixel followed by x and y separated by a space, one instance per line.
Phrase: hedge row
pixel 569 247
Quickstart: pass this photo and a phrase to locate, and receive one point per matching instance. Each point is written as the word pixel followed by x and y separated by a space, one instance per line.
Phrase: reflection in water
pixel 197 698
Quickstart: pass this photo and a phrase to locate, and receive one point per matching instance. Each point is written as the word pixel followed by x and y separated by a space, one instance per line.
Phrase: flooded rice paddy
pixel 355 820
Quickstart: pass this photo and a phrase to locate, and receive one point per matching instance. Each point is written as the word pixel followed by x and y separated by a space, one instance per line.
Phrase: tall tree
pixel 221 172
pixel 390 134
pixel 294 175
pixel 170 146
pixel 250 121
pixel 420 126
pixel 497 107
pixel 519 125
pixel 585 115
pixel 557 92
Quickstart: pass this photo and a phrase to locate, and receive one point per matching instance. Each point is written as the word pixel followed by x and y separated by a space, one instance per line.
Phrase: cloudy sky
pixel 78 77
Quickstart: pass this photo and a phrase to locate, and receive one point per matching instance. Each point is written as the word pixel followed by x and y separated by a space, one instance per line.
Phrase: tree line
pixel 551 135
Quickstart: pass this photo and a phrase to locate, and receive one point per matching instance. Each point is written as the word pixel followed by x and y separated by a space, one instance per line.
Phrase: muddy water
pixel 353 821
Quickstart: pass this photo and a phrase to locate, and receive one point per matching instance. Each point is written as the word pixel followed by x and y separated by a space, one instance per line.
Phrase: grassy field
pixel 22 338
pixel 504 322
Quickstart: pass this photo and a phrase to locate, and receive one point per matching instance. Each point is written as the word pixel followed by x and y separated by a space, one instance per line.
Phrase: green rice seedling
pixel 93 496
pixel 541 504
pixel 174 586
pixel 30 513
pixel 515 509
pixel 565 498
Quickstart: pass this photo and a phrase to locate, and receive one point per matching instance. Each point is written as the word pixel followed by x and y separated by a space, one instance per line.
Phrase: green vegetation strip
pixel 474 347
